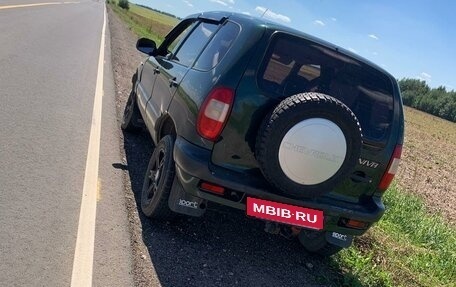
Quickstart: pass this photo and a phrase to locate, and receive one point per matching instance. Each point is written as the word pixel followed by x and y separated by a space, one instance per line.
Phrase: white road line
pixel 83 255
pixel 35 4
pixel 28 5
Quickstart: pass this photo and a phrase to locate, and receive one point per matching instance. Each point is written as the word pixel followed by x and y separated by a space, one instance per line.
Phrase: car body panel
pixel 230 160
pixel 169 75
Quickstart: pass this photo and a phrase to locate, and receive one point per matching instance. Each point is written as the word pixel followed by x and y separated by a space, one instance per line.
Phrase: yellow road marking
pixel 99 190
pixel 36 4
pixel 83 254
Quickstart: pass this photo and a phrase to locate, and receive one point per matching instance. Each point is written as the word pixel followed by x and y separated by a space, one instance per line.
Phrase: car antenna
pixel 262 15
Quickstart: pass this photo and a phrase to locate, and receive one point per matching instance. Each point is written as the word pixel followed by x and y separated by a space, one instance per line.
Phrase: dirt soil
pixel 125 59
pixel 223 248
pixel 429 162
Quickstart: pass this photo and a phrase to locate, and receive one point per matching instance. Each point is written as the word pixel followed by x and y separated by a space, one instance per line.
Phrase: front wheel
pixel 158 181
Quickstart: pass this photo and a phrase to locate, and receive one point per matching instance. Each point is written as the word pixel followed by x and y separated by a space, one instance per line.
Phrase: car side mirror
pixel 147 46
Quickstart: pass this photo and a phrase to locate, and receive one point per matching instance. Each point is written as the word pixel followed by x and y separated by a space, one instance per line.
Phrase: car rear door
pixel 146 83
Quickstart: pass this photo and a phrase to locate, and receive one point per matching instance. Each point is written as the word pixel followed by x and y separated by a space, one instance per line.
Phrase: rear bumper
pixel 193 164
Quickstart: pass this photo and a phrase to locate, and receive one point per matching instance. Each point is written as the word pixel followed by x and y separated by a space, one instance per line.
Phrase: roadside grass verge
pixel 158 17
pixel 408 247
pixel 155 26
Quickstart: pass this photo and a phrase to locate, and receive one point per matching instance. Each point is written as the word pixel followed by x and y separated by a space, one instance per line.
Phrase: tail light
pixel 212 188
pixel 214 113
pixel 391 170
pixel 355 224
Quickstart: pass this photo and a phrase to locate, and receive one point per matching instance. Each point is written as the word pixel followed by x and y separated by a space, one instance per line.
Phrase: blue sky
pixel 414 39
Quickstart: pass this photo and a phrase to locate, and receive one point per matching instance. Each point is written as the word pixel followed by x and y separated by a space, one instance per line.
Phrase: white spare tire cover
pixel 312 151
pixel 308 145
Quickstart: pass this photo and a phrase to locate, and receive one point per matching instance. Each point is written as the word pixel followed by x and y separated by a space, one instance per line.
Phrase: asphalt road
pixel 48 69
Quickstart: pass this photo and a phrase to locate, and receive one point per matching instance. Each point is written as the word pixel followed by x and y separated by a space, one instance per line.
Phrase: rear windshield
pixel 218 47
pixel 293 65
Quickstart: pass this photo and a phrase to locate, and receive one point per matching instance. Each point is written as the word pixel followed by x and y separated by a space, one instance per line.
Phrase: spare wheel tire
pixel 308 144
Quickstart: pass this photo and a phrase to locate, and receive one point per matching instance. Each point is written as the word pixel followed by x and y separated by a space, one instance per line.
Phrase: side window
pixel 176 42
pixel 218 47
pixel 187 52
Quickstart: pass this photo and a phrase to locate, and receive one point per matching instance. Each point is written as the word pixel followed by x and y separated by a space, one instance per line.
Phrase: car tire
pixel 315 242
pixel 158 181
pixel 131 121
pixel 308 145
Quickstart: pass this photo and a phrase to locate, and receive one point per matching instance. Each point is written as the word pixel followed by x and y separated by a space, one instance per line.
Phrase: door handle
pixel 173 82
pixel 156 71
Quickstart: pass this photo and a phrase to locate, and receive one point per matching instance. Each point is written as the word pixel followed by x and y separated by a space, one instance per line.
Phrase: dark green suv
pixel 257 116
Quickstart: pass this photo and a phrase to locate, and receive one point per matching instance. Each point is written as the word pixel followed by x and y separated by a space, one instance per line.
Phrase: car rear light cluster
pixel 352 223
pixel 392 169
pixel 236 196
pixel 206 186
pixel 214 113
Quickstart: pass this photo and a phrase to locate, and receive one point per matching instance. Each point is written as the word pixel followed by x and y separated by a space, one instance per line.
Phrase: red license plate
pixel 285 213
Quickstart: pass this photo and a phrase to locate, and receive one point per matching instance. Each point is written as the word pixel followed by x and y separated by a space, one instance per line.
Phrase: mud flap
pixel 339 239
pixel 181 202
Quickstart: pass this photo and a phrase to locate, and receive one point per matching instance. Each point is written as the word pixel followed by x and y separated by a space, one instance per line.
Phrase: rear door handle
pixel 156 71
pixel 173 82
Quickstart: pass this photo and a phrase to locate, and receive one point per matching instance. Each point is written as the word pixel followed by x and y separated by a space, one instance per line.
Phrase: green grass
pixel 144 22
pixel 159 17
pixel 408 247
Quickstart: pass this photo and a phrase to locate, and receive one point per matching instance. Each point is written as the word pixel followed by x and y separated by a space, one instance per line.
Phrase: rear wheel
pixel 315 242
pixel 131 121
pixel 158 181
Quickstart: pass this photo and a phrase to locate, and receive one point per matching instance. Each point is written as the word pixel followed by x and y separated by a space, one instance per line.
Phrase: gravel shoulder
pixel 125 60
pixel 224 248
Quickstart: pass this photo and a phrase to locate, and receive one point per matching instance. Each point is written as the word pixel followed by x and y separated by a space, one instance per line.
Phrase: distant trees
pixel 124 4
pixel 436 101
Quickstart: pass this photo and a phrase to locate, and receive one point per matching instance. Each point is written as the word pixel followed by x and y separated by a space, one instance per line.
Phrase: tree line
pixel 437 101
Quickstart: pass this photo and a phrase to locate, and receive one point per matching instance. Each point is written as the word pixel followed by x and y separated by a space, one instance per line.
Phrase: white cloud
pixel 188 3
pixel 319 22
pixel 424 77
pixel 372 36
pixel 223 2
pixel 246 13
pixel 334 19
pixel 219 2
pixel 272 15
pixel 352 50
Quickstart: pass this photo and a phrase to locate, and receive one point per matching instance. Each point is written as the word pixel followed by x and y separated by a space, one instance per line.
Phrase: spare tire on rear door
pixel 308 144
